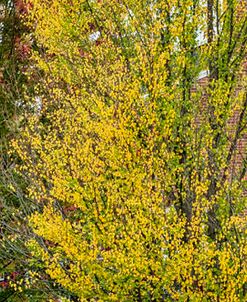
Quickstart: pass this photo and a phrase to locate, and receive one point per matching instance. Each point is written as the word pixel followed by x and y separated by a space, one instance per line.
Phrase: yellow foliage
pixel 130 172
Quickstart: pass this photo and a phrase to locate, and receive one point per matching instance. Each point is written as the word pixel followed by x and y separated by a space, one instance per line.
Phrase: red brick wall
pixel 240 153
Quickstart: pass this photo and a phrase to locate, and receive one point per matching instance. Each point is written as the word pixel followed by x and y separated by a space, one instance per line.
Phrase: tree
pixel 134 163
pixel 15 207
pixel 11 185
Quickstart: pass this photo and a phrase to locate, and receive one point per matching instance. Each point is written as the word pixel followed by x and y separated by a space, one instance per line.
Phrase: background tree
pixel 11 201
pixel 131 159
pixel 16 284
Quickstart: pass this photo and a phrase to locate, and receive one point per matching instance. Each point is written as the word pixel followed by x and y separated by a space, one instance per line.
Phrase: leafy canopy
pixel 131 156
